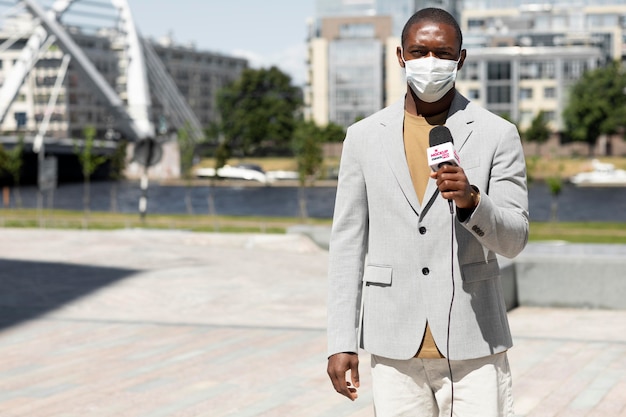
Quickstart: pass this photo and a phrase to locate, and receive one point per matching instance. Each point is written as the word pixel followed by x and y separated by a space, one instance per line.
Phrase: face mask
pixel 430 78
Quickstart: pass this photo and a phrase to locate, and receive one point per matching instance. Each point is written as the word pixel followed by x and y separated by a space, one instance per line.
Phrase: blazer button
pixel 478 231
pixel 425 271
pixel 422 230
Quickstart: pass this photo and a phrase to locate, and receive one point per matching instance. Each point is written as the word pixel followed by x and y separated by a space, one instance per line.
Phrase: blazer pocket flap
pixel 480 271
pixel 377 275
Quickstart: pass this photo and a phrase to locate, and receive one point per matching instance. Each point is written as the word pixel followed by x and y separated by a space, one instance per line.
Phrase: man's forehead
pixel 430 26
pixel 431 30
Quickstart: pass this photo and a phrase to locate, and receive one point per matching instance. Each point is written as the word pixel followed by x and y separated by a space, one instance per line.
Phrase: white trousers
pixel 422 388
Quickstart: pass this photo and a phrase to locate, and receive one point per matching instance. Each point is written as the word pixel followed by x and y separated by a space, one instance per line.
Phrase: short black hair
pixel 432 14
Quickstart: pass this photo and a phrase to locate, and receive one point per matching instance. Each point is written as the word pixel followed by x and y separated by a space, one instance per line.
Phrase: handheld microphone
pixel 441 150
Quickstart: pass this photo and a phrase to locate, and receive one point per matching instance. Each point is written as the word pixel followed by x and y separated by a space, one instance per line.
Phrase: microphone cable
pixel 450 310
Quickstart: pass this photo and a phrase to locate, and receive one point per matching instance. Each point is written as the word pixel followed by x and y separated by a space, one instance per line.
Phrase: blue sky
pixel 265 32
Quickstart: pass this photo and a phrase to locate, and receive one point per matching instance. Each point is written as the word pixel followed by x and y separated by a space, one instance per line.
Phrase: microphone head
pixel 439 135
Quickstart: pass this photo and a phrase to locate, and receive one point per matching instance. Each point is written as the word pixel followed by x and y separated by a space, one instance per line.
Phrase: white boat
pixel 247 172
pixel 603 175
pixel 282 175
pixel 239 172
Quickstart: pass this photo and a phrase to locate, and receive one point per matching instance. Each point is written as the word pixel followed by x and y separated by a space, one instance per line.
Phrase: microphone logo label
pixel 440 154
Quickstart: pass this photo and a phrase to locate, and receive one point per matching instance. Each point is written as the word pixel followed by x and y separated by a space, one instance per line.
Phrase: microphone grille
pixel 439 135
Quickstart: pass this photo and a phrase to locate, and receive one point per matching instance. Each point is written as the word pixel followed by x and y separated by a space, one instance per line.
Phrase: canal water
pixel 574 203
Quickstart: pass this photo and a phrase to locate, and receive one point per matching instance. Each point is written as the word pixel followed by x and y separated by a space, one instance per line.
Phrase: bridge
pixel 50 44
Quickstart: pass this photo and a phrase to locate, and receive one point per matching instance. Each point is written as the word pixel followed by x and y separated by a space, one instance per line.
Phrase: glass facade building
pixel 522 55
pixel 353 69
pixel 355 73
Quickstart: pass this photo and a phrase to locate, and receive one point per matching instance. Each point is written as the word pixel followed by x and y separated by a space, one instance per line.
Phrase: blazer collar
pixel 394 149
pixel 459 122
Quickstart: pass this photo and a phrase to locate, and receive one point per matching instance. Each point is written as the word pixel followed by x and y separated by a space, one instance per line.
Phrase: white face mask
pixel 430 78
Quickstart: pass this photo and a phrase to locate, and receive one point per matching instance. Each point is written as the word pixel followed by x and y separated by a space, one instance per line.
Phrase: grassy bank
pixel 67 219
pixel 588 232
pixel 542 168
pixel 538 168
pixel 579 232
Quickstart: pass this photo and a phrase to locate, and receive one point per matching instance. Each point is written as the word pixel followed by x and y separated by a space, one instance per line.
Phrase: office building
pixel 353 69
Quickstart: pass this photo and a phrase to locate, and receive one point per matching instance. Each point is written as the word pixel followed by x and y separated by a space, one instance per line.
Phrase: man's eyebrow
pixel 442 48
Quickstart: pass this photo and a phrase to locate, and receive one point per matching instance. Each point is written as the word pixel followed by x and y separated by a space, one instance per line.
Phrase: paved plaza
pixel 168 323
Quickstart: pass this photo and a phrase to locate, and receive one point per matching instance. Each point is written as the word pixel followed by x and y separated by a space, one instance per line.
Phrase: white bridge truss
pixel 52 23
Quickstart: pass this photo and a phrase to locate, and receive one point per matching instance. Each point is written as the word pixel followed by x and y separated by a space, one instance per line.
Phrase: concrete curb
pixel 548 274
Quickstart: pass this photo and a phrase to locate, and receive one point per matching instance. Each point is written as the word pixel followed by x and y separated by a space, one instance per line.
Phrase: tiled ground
pixel 150 324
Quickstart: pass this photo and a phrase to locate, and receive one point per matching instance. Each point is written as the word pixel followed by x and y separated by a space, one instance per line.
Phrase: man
pixel 414 285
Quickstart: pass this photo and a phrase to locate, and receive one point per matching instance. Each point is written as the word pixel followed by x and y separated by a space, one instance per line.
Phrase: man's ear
pixel 399 55
pixel 461 59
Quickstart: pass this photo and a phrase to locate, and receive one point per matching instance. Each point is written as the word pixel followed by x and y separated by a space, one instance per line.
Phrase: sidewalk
pixel 167 323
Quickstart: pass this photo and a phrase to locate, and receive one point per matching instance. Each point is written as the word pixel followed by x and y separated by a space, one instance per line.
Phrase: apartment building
pixel 198 75
pixel 522 55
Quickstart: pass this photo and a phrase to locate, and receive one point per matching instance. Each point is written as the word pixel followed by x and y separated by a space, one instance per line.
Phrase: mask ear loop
pixel 402 55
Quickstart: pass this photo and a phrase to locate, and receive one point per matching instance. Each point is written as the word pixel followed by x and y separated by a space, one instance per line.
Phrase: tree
pixel 222 154
pixel 308 151
pixel 118 165
pixel 11 163
pixel 597 105
pixel 89 162
pixel 332 133
pixel 259 110
pixel 555 184
pixel 538 131
pixel 187 147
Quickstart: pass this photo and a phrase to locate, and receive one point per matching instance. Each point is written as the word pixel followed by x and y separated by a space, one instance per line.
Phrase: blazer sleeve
pixel 500 222
pixel 347 250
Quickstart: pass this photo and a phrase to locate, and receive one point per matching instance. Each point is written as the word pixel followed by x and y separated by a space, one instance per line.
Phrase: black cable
pixel 450 310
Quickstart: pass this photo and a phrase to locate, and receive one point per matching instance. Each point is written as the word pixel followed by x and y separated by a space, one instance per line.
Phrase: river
pixel 574 203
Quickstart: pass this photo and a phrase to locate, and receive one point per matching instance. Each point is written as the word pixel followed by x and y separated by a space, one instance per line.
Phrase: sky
pixel 264 32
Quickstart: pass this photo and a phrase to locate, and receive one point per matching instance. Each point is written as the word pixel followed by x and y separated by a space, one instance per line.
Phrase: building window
pixel 470 71
pixel 549 92
pixel 573 70
pixel 525 93
pixel 498 70
pixel 357 30
pixel 475 23
pixel 526 117
pixel 498 94
pixel 473 94
pixel 537 70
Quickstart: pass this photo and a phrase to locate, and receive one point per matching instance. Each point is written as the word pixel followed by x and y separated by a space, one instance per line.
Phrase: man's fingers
pixel 338 366
pixel 354 373
pixel 342 386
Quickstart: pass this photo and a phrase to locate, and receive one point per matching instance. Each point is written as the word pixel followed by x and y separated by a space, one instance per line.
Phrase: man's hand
pixel 454 185
pixel 338 365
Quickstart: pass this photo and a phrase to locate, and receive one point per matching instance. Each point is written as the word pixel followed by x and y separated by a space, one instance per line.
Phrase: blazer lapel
pixel 394 150
pixel 460 124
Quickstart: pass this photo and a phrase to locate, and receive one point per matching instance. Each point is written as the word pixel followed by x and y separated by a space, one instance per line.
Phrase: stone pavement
pixel 167 323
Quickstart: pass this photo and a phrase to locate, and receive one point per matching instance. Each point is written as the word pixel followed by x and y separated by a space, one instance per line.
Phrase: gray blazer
pixel 390 263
